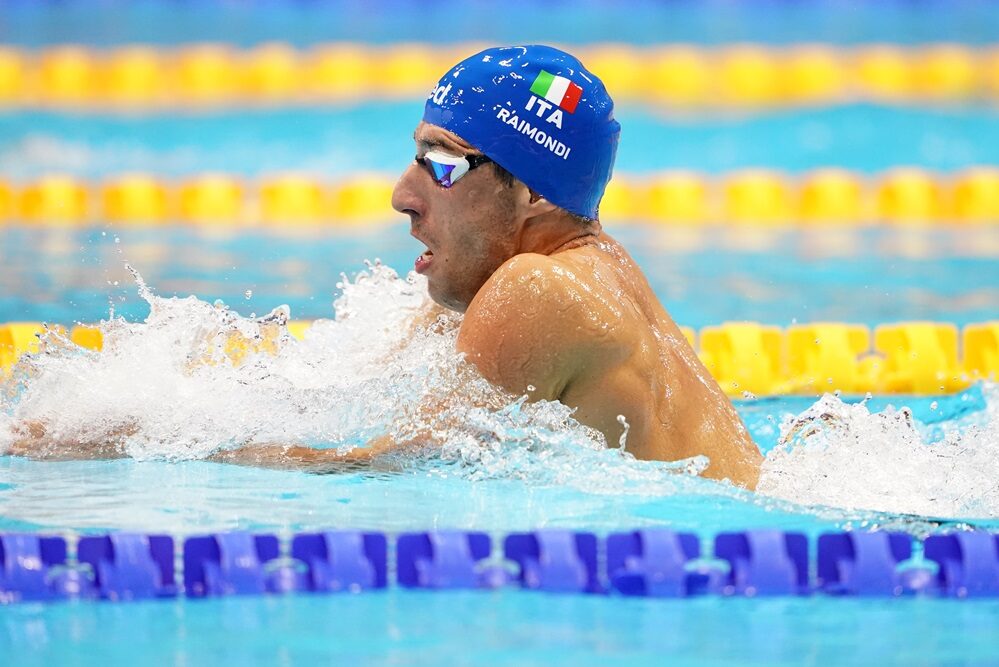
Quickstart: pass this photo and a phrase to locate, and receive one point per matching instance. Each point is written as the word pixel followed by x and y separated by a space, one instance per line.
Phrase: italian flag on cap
pixel 557 90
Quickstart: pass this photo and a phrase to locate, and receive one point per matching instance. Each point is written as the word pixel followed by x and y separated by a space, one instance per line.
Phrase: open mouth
pixel 423 261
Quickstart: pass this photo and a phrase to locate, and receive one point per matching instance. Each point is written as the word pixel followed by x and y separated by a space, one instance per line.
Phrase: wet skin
pixel 560 311
pixel 553 308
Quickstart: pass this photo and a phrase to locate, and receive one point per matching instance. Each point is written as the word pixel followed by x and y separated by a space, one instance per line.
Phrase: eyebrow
pixel 429 143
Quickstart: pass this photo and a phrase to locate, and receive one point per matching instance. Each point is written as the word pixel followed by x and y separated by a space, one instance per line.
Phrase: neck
pixel 552 234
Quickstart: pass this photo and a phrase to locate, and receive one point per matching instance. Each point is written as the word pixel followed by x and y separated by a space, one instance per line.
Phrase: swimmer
pixel 513 153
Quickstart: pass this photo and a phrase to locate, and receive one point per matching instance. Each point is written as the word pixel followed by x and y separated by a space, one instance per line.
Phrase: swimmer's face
pixel 470 229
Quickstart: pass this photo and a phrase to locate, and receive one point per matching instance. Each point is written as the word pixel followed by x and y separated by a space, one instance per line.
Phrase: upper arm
pixel 526 328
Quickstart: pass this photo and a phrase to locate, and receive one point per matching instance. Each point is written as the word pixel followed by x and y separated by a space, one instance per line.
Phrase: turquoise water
pixel 378 136
pixel 505 628
pixel 513 21
pixel 703 277
pixel 190 497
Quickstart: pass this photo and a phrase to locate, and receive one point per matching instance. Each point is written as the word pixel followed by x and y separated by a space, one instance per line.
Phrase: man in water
pixel 513 154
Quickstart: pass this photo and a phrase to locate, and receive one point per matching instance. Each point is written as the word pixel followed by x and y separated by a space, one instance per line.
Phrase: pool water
pixel 339 140
pixel 530 468
pixel 703 276
pixel 504 628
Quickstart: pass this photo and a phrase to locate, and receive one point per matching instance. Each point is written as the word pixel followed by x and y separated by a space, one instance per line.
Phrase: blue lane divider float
pixel 555 560
pixel 228 564
pixel 874 564
pixel 29 561
pixel 764 562
pixel 446 559
pixel 128 566
pixel 969 563
pixel 342 561
pixel 651 562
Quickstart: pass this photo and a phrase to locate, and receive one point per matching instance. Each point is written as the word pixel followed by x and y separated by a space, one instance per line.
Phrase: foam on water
pixel 196 377
pixel 842 455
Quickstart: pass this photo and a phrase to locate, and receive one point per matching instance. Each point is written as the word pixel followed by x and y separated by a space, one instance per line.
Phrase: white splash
pixel 839 455
pixel 195 377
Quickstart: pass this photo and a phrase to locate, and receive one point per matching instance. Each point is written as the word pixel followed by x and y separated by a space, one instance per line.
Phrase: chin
pixel 440 297
pixel 445 298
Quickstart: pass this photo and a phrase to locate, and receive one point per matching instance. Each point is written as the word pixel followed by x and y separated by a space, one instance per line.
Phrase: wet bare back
pixel 582 326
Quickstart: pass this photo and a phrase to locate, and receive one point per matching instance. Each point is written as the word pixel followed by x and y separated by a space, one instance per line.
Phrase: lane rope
pixel 674 75
pixel 746 358
pixel 647 562
pixel 759 197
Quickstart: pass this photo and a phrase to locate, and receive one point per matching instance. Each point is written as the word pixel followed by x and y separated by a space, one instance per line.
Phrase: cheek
pixel 475 232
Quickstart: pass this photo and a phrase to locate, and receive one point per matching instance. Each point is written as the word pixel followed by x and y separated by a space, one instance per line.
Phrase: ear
pixel 538 205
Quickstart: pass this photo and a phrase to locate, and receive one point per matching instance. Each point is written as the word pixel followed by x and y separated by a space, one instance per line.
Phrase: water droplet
pixel 934 405
pixel 248 294
pixel 117 240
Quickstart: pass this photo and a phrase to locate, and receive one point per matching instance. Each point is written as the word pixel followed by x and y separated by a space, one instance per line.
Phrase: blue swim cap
pixel 539 114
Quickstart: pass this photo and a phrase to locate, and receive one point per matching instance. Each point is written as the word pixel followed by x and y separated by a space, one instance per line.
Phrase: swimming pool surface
pixel 534 470
pixel 504 628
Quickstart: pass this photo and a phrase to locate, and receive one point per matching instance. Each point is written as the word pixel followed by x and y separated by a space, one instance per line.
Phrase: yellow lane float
pixel 67 74
pixel 976 195
pixel 831 196
pixel 814 74
pixel 743 357
pixel 679 197
pixel 980 344
pixel 17 338
pixel 290 198
pixel 749 197
pixel 757 196
pixel 362 199
pixel 827 356
pixel 909 196
pixel 883 72
pixel 12 68
pixel 6 201
pixel 134 76
pixel 744 75
pixel 55 200
pixel 748 76
pixel 679 76
pixel 919 358
pixel 946 72
pixel 206 74
pixel 138 198
pixel 211 199
pixel 272 72
pixel 89 338
pixel 338 72
pixel 621 68
pixel 808 359
pixel 405 71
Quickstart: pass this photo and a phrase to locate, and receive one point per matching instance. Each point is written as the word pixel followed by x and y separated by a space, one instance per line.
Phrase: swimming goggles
pixel 447 169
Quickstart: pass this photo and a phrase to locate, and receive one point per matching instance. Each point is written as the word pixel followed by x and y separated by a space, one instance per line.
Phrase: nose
pixel 405 196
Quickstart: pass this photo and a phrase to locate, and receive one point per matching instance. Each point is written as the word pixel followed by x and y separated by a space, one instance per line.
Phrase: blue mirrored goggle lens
pixel 441 172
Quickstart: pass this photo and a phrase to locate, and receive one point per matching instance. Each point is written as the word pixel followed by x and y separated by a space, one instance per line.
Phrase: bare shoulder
pixel 530 286
pixel 531 325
